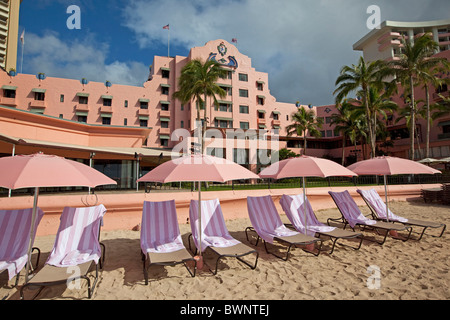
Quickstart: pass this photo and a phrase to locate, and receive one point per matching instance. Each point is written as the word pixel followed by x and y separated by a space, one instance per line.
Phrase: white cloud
pixel 79 59
pixel 302 44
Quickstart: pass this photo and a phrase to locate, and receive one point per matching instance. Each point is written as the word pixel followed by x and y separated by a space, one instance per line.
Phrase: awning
pixel 262 111
pixel 445 123
pixel 224 102
pixel 164 136
pixel 262 97
pixel 9 88
pixel 276 112
pixel 106 115
pixel 225 85
pixel 165 85
pixel 39 90
pixel 260 82
pixel 164 102
pixel 164 119
pixel 144 100
pixel 143 117
pixel 165 69
pixel 143 152
pixel 82 94
pixel 223 119
pixel 81 113
pixel 107 97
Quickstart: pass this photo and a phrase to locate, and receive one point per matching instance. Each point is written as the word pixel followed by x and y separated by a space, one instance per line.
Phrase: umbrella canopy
pixel 198 168
pixel 428 160
pixel 305 166
pixel 40 170
pixel 382 166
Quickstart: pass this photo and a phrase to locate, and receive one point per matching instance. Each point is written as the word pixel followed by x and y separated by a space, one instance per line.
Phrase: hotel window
pixel 243 109
pixel 182 124
pixel 106 121
pixel 143 104
pixel 143 123
pixel 227 89
pixel 164 140
pixel 107 102
pixel 230 75
pixel 261 114
pixel 275 116
pixel 83 100
pixel 125 122
pixel 61 98
pixel 164 123
pixel 61 116
pixel 260 100
pixel 244 125
pixel 225 107
pixel 165 73
pixel 9 93
pixel 243 77
pixel 39 96
pixel 328 120
pixel 260 85
pixel 164 106
pixel 126 104
pixel 165 89
pixel 223 123
pixel 243 93
pixel 82 119
pixel 329 133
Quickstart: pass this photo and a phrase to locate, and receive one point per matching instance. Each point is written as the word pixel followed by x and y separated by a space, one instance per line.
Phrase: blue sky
pixel 302 44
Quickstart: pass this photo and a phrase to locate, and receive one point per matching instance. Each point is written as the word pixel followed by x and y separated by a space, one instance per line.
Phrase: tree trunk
pixel 343 149
pixel 369 120
pixel 412 115
pixel 304 143
pixel 204 127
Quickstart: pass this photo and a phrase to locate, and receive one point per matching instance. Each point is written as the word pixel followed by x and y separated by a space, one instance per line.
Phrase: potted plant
pixel 12 72
pixel 41 76
pixel 84 81
pixel 108 83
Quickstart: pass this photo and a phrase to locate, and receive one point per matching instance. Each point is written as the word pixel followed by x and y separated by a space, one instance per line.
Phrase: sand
pixel 397 270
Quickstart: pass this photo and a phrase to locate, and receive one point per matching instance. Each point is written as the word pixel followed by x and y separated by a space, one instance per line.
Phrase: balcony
pixel 82 107
pixel 143 112
pixel 106 109
pixel 164 113
pixel 276 122
pixel 164 131
pixel 261 121
pixel 8 101
pixel 38 104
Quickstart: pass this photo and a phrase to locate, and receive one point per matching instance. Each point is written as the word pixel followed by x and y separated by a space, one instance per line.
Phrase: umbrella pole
pixel 199 224
pixel 32 231
pixel 304 204
pixel 386 198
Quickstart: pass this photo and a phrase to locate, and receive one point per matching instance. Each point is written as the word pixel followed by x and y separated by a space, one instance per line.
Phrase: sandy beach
pixel 409 270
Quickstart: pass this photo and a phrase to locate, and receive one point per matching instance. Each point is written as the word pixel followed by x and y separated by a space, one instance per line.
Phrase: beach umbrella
pixel 386 166
pixel 305 166
pixel 198 168
pixel 428 161
pixel 41 170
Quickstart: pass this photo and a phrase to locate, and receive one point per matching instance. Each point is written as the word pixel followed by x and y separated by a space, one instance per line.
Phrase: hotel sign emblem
pixel 222 49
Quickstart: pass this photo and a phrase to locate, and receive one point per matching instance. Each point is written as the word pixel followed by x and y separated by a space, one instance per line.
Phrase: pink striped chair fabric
pixel 349 209
pixel 378 205
pixel 160 232
pixel 15 227
pixel 294 206
pixel 214 230
pixel 266 220
pixel 77 240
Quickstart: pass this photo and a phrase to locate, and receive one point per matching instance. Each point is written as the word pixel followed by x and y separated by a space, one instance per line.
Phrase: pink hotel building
pixel 127 130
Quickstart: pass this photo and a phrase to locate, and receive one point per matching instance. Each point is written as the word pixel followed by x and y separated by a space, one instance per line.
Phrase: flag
pixel 234 40
pixel 22 37
pixel 166 27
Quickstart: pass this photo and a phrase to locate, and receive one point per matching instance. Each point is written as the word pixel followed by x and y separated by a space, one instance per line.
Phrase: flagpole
pixel 23 45
pixel 168 43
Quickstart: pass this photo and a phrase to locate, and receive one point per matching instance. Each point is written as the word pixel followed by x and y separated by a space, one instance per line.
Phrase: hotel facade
pixel 125 131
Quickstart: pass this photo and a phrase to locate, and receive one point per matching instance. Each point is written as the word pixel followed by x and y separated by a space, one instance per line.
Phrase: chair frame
pixel 363 227
pixel 376 217
pixel 222 256
pixel 285 243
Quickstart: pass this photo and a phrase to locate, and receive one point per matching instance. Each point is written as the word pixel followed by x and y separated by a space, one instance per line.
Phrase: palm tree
pixel 304 121
pixel 198 82
pixel 427 77
pixel 415 58
pixel 344 124
pixel 360 78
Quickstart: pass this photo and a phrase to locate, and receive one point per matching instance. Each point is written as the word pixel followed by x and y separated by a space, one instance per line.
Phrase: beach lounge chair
pixel 378 209
pixel 75 250
pixel 352 215
pixel 215 235
pixel 267 224
pixel 295 206
pixel 161 242
pixel 15 227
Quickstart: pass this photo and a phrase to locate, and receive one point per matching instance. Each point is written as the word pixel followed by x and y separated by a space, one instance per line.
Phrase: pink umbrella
pixel 40 170
pixel 305 166
pixel 384 166
pixel 198 168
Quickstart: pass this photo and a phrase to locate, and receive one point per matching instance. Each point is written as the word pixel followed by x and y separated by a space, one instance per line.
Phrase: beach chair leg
pixel 189 270
pixel 285 258
pixel 248 239
pixel 253 267
pixel 318 250
pixel 189 244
